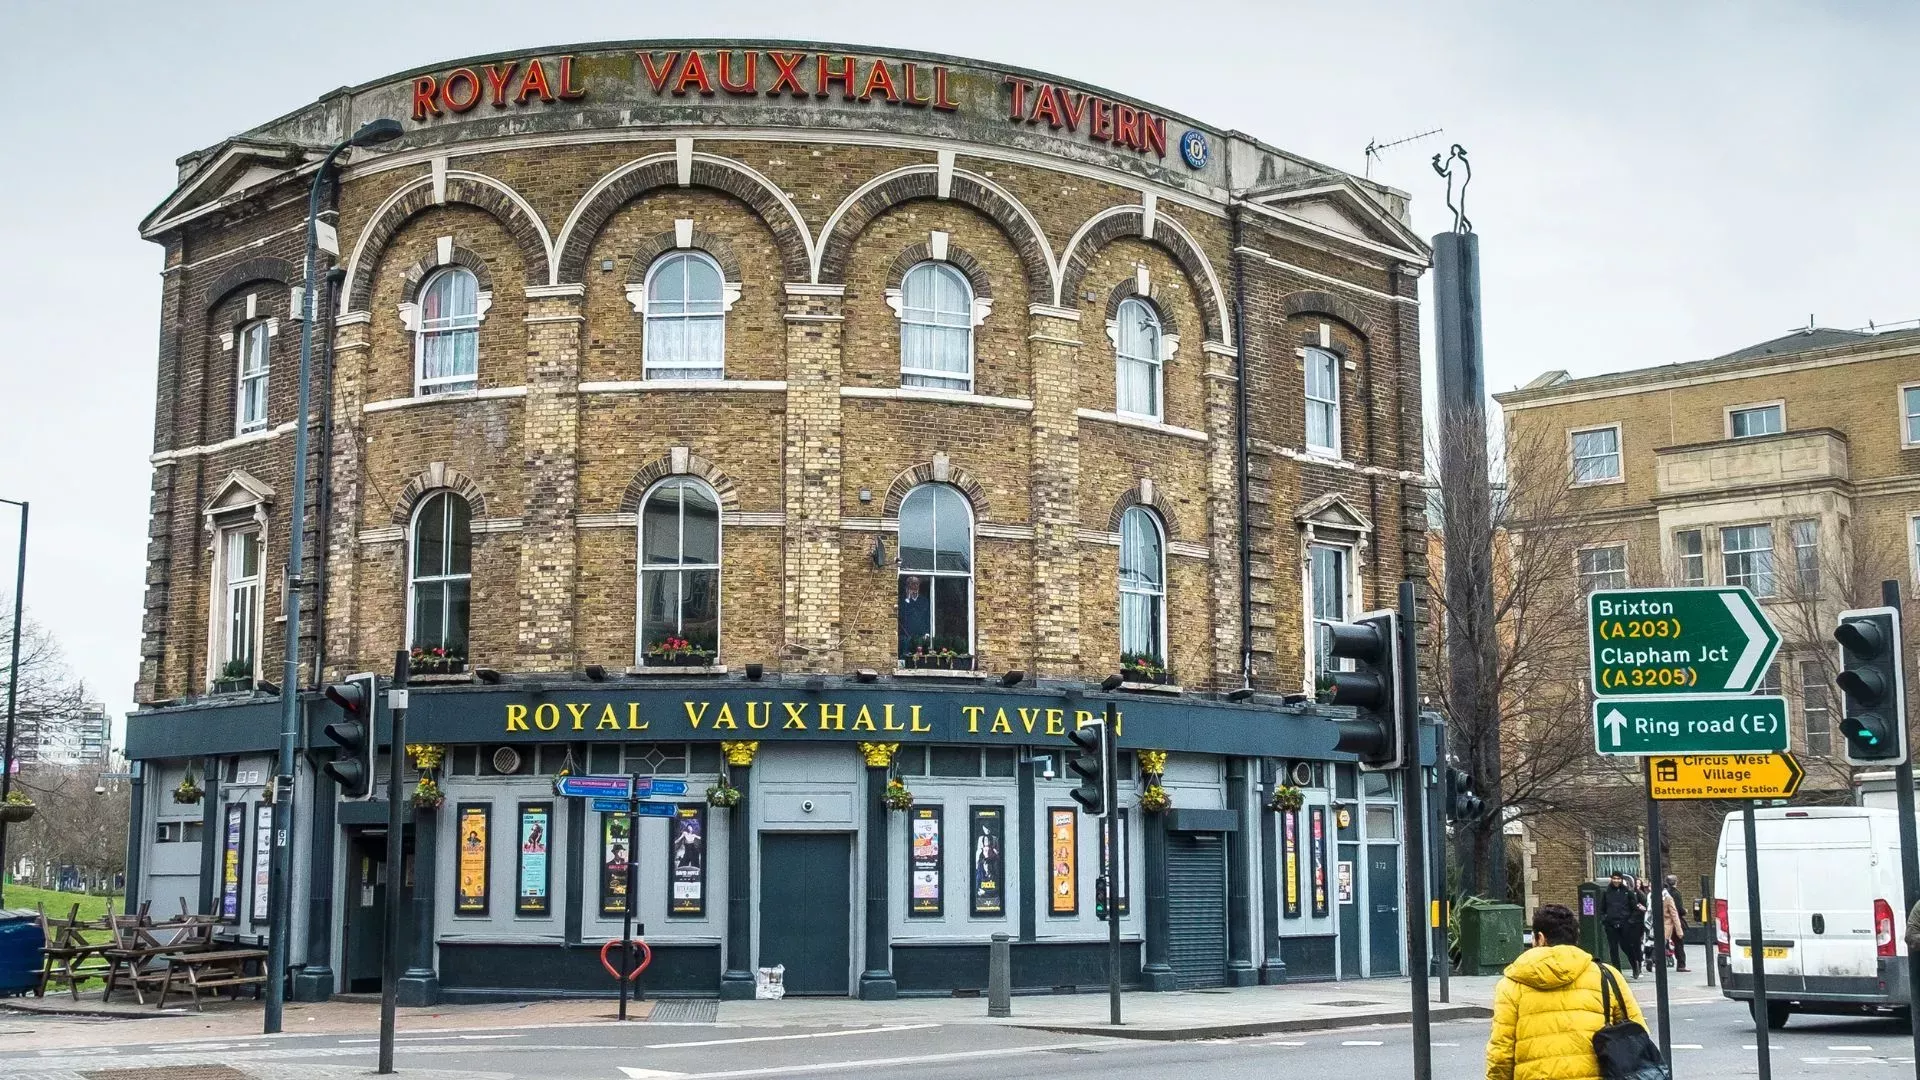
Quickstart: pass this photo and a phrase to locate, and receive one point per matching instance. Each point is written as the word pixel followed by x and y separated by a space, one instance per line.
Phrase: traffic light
pixel 1463 803
pixel 1089 763
pixel 352 764
pixel 1372 687
pixel 1873 692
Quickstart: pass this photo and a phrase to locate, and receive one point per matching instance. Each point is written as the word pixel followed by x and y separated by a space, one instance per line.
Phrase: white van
pixel 1829 888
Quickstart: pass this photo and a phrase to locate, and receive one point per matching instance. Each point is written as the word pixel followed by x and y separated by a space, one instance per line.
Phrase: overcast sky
pixel 1657 182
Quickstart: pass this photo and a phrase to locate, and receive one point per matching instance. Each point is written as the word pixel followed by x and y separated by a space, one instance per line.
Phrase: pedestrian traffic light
pixel 1089 762
pixel 1463 803
pixel 1873 692
pixel 352 764
pixel 1371 686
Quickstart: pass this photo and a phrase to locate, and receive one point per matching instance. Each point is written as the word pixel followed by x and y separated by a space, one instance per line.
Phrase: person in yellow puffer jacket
pixel 1547 1008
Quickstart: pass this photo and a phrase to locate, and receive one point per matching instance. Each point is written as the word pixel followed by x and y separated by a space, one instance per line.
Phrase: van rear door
pixel 1835 932
pixel 1794 852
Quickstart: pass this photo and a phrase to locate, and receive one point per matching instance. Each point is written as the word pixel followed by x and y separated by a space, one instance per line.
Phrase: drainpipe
pixel 1240 448
pixel 334 277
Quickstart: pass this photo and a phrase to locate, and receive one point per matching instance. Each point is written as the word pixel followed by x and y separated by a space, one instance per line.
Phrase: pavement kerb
pixel 1262 1027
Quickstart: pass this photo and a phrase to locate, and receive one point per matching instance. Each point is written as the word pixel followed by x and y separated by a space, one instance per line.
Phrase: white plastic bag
pixel 770 984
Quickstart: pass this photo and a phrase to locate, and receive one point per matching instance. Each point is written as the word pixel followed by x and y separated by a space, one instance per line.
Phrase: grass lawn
pixel 26 897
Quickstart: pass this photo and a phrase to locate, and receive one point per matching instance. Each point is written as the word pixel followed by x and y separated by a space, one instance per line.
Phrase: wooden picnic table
pixel 211 970
pixel 137 957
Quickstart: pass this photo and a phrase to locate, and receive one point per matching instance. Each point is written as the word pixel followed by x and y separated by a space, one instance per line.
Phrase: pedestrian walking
pixel 1621 917
pixel 1676 922
pixel 1653 944
pixel 1548 1006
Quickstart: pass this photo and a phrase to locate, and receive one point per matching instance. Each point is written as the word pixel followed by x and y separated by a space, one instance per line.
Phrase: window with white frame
pixel 1757 420
pixel 1143 587
pixel 1137 373
pixel 1329 583
pixel 1769 680
pixel 935 602
pixel 447 344
pixel 936 328
pixel 250 403
pixel 1596 455
pixel 1603 567
pixel 238 647
pixel 1323 402
pixel 440 582
pixel 1690 553
pixel 1616 851
pixel 679 569
pixel 1910 415
pixel 1746 555
pixel 686 318
pixel 1815 712
pixel 1806 555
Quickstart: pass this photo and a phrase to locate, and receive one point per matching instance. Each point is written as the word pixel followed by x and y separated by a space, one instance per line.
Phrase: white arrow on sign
pixel 1756 642
pixel 1615 722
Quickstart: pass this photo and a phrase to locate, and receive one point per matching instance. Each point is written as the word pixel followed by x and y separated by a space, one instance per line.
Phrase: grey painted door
pixel 1350 919
pixel 806 904
pixel 1197 908
pixel 1384 926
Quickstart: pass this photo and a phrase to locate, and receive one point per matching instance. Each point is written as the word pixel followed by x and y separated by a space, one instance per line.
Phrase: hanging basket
pixel 188 792
pixel 896 796
pixel 1287 798
pixel 1155 800
pixel 16 812
pixel 723 795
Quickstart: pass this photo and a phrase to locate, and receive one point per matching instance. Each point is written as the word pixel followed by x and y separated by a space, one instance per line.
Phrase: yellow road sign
pixel 1724 776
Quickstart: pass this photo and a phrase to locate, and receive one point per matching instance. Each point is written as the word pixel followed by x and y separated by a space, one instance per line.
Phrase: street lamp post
pixel 280 873
pixel 13 684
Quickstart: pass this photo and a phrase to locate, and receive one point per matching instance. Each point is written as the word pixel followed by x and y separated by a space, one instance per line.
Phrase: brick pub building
pixel 801 417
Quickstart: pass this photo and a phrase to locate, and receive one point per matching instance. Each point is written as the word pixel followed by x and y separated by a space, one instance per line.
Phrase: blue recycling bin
pixel 21 944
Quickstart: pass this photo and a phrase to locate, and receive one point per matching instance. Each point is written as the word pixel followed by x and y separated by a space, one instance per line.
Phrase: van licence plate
pixel 1770 952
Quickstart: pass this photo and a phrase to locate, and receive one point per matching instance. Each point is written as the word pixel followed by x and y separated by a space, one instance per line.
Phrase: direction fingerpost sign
pixel 1725 776
pixel 1676 642
pixel 1729 723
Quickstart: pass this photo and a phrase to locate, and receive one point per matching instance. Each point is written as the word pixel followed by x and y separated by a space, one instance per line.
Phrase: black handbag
pixel 1624 1050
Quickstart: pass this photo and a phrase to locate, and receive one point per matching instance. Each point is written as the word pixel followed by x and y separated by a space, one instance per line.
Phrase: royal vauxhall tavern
pixel 796 422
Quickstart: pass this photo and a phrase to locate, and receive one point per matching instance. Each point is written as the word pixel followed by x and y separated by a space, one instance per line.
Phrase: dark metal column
pixel 876 981
pixel 1240 970
pixel 1273 969
pixel 1157 974
pixel 136 835
pixel 421 984
pixel 314 982
pixel 1029 903
pixel 736 983
pixel 576 858
pixel 210 835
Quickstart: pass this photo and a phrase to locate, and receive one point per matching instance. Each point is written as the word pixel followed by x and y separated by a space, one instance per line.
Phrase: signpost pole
pixel 1657 912
pixel 626 904
pixel 396 876
pixel 1909 847
pixel 1413 792
pixel 1756 945
pixel 1111 823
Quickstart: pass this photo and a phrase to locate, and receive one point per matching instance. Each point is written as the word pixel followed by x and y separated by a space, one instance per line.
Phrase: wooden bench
pixel 199 971
pixel 68 958
pixel 136 959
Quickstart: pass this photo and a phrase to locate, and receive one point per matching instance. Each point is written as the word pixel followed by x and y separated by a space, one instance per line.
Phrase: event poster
pixel 687 860
pixel 470 894
pixel 1344 881
pixel 1317 817
pixel 924 862
pixel 535 873
pixel 1063 846
pixel 262 858
pixel 989 860
pixel 1290 860
pixel 615 842
pixel 1106 867
pixel 231 841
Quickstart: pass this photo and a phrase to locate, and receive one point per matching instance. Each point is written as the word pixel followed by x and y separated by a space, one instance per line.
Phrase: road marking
pixel 1283 1044
pixel 784 1038
pixel 648 1074
pixel 1445 1044
pixel 1862 1046
pixel 1686 1046
pixel 1363 1042
pixel 878 1063
pixel 429 1038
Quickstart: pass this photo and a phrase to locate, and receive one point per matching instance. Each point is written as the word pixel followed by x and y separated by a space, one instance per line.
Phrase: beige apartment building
pixel 1791 467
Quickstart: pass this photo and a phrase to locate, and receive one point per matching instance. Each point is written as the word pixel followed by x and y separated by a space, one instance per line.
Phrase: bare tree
pixel 48 689
pixel 81 823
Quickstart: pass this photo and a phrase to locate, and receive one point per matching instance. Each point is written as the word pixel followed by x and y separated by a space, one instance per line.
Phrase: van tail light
pixel 1883 928
pixel 1722 937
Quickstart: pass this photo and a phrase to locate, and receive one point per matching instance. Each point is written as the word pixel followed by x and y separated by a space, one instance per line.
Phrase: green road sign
pixel 1724 724
pixel 1678 642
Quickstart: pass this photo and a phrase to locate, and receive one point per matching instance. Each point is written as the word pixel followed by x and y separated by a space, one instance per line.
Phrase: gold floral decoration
pixel 739 753
pixel 1153 762
pixel 425 756
pixel 879 755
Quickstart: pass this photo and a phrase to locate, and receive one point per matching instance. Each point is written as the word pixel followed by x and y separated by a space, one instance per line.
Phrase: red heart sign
pixel 646 957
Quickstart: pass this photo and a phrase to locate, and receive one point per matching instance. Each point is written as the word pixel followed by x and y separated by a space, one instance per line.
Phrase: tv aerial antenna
pixel 1375 146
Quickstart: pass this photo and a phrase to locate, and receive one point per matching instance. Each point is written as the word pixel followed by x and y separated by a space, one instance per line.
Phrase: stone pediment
pixel 1337 205
pixel 1333 511
pixel 227 173
pixel 241 493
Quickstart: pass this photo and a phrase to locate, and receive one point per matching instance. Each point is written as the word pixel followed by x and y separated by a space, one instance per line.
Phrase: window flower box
pixel 232 686
pixel 1144 668
pixel 937 661
pixel 677 652
pixel 435 661
pixel 236 677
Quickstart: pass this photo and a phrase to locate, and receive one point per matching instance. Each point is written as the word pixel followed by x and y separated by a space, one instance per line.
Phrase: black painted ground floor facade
pixel 511 890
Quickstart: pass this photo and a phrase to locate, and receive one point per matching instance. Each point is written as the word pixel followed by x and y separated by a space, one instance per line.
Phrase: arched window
pixel 686 318
pixel 1137 371
pixel 448 342
pixel 936 328
pixel 936 574
pixel 441 573
pixel 679 573
pixel 1143 588
pixel 251 401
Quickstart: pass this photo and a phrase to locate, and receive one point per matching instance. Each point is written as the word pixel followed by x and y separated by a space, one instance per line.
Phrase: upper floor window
pixel 1596 455
pixel 1690 549
pixel 1746 552
pixel 1806 556
pixel 441 575
pixel 447 345
pixel 1137 367
pixel 679 573
pixel 686 318
pixel 1143 587
pixel 1910 415
pixel 251 401
pixel 1603 568
pixel 238 632
pixel 1330 587
pixel 1757 420
pixel 1815 714
pixel 1323 402
pixel 936 573
pixel 936 328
